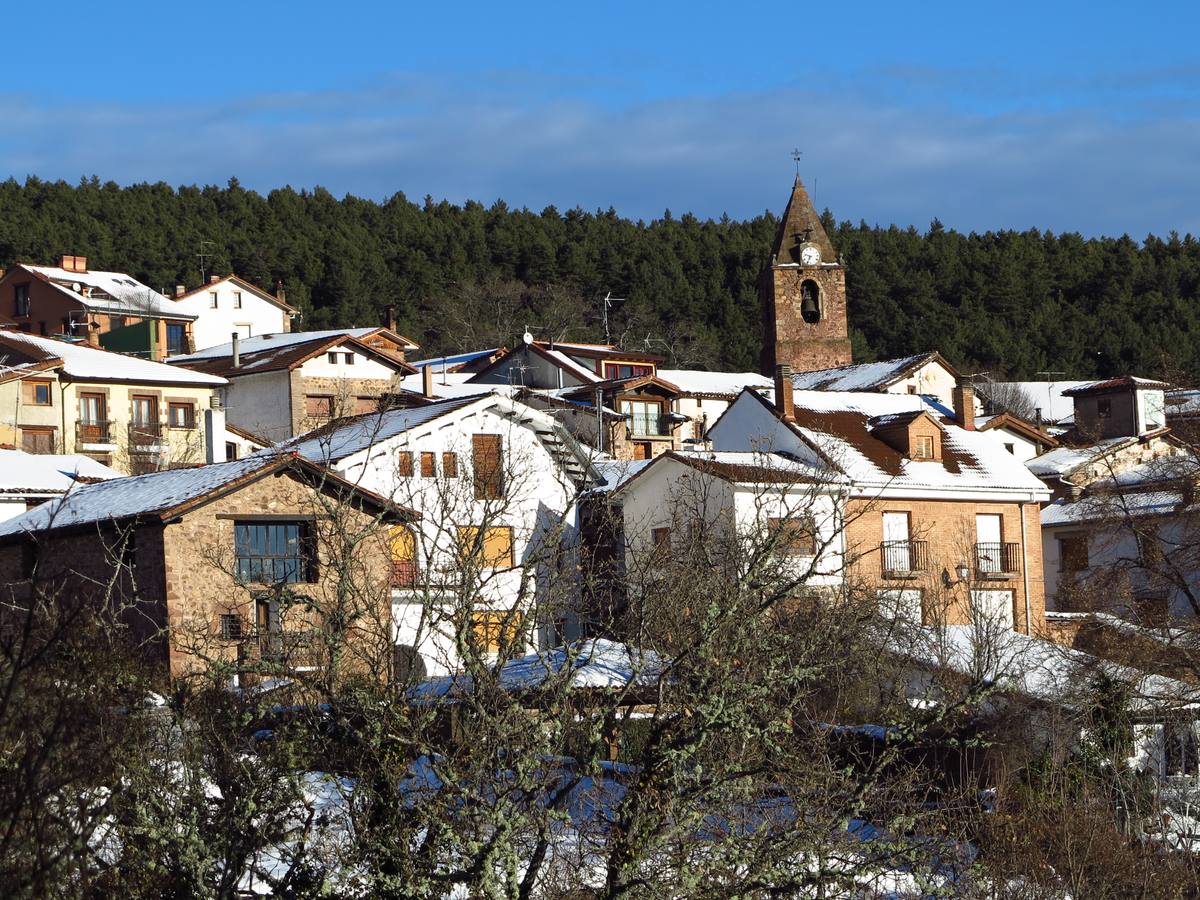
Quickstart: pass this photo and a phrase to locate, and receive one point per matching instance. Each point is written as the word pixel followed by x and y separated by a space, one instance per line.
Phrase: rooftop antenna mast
pixel 204 256
pixel 605 306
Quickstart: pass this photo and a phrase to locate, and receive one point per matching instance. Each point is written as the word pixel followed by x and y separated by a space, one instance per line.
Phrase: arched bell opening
pixel 810 302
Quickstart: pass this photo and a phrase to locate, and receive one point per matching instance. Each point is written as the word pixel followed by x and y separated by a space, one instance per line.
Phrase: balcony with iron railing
pixel 99 432
pixel 903 558
pixel 145 436
pixel 997 560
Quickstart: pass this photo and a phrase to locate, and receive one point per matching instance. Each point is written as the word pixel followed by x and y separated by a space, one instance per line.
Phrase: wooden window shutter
pixel 404 464
pixel 428 464
pixel 450 464
pixel 487 459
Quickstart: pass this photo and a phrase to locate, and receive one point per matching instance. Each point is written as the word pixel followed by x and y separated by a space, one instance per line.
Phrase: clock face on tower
pixel 810 255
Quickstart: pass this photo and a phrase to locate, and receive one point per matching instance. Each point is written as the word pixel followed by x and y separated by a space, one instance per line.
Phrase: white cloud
pixel 533 141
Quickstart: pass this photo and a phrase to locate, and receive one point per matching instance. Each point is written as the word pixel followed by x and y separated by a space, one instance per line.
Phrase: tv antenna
pixel 605 306
pixel 204 255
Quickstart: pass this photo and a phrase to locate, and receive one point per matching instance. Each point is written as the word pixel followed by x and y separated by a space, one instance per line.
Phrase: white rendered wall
pixel 362 367
pixel 538 506
pixel 214 326
pixel 260 404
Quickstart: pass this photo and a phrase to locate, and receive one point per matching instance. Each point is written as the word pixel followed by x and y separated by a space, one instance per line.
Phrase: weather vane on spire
pixel 796 154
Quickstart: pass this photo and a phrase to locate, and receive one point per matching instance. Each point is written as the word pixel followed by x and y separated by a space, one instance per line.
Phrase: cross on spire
pixel 796 154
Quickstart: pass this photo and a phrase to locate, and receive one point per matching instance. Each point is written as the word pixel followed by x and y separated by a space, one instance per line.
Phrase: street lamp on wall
pixel 962 570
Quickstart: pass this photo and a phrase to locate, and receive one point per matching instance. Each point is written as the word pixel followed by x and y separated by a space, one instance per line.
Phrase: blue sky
pixel 1065 115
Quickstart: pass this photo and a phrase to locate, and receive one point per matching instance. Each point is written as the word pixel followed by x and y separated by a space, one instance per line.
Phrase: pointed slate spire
pixel 800 225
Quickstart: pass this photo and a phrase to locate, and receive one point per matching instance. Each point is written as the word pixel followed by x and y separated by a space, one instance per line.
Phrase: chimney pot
pixel 213 279
pixel 964 403
pixel 180 290
pixel 783 392
pixel 237 355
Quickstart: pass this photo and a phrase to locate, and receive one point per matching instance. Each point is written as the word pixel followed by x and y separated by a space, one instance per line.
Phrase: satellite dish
pixel 527 337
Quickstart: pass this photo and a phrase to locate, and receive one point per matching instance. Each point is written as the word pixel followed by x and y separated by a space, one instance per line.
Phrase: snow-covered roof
pixel 747 467
pixel 452 385
pixel 1096 508
pixel 615 472
pixel 1118 383
pixel 345 437
pixel 456 359
pixel 873 376
pixel 1065 460
pixel 572 366
pixel 110 292
pixel 86 363
pixel 138 495
pixel 263 342
pixel 1034 667
pixel 839 425
pixel 729 384
pixel 595 664
pixel 160 493
pixel 47 473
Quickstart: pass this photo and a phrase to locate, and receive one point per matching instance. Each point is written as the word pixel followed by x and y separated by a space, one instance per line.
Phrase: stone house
pixel 940 522
pixel 110 309
pixel 63 396
pixel 495 482
pixel 282 385
pixel 231 305
pixel 240 563
pixel 30 479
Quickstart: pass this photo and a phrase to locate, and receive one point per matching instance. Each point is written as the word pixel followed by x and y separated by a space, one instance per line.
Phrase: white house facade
pixel 232 305
pixel 495 482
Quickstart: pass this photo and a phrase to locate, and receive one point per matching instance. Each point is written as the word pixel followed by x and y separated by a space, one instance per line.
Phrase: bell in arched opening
pixel 810 302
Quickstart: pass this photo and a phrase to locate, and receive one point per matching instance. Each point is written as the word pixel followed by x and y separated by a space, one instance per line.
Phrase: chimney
pixel 427 381
pixel 180 290
pixel 783 392
pixel 280 293
pixel 237 353
pixel 213 279
pixel 964 403
pixel 391 318
pixel 92 334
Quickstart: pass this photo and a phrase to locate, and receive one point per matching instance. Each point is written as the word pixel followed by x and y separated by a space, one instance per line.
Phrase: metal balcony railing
pixel 145 434
pixel 993 559
pixel 904 557
pixel 94 432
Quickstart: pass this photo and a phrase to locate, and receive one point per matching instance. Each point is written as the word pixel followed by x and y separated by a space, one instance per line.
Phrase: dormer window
pixel 922 447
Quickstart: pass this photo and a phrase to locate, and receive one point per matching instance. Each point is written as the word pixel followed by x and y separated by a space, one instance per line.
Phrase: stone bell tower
pixel 803 294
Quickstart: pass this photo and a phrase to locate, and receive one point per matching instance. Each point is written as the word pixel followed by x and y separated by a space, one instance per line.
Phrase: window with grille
pixel 793 537
pixel 274 552
pixel 231 627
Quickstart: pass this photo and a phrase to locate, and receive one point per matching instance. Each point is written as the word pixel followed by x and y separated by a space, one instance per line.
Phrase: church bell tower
pixel 803 294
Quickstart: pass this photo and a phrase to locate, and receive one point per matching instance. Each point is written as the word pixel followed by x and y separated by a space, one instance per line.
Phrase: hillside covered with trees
pixel 1010 303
